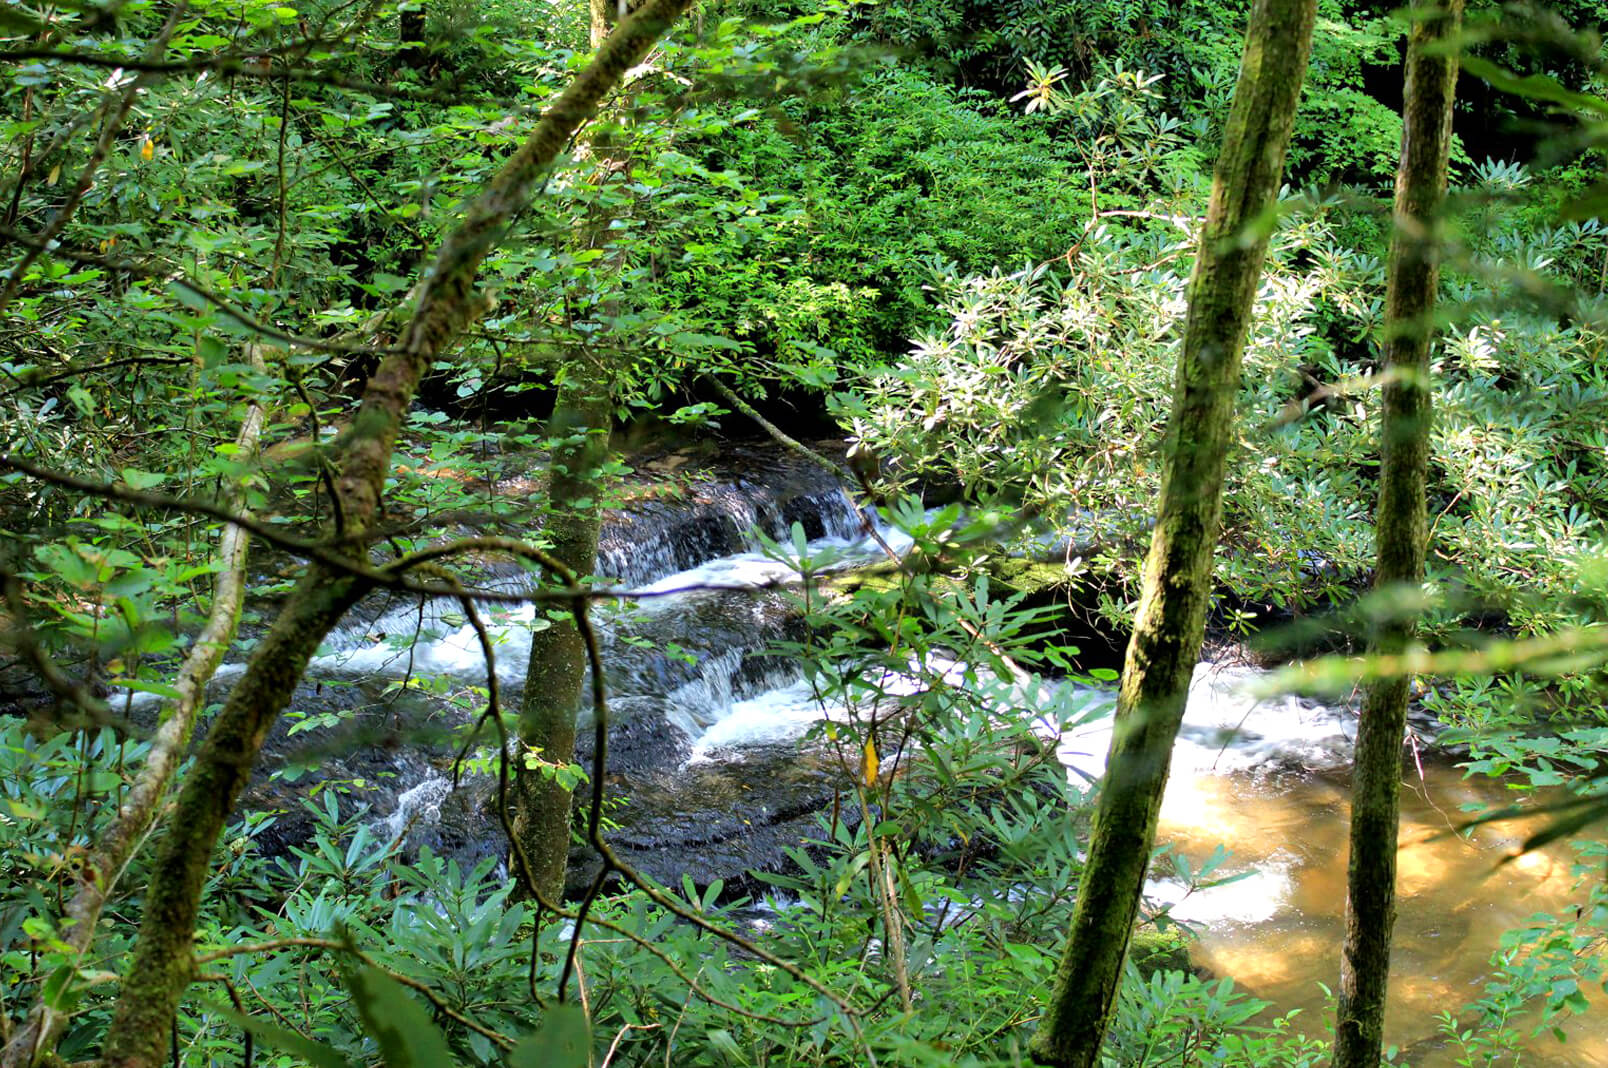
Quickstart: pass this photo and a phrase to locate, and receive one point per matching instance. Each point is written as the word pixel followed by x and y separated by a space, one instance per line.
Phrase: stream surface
pixel 705 725
pixel 1268 781
pixel 1279 932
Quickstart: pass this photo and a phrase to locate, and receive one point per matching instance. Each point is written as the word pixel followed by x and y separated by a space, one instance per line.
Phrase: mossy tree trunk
pixel 1171 619
pixel 583 414
pixel 554 681
pixel 35 1041
pixel 163 962
pixel 1401 525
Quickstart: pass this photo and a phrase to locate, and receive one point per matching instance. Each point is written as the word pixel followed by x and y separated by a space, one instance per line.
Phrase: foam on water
pixel 786 712
pixel 1227 728
pixel 434 638
pixel 775 716
pixel 756 570
pixel 450 646
pixel 724 520
pixel 1257 897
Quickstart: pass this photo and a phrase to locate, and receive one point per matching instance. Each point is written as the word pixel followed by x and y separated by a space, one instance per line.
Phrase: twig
pixel 275 945
pixel 627 1029
pixel 37 377
pixel 257 66
pixel 612 861
pixel 66 688
pixel 777 434
pixel 173 276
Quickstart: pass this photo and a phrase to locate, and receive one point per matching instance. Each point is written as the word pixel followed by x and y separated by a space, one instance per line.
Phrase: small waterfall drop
pixel 720 517
pixel 419 804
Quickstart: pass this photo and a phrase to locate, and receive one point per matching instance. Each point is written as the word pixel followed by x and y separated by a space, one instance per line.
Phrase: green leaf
pixel 563 1041
pixel 212 352
pixel 282 1038
pixel 160 689
pixel 141 480
pixel 704 341
pixel 1592 204
pixel 908 893
pixel 67 564
pixel 58 992
pixel 402 1028
pixel 16 22
pixel 722 1040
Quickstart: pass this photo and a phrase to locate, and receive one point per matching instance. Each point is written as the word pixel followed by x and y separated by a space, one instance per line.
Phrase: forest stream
pixel 705 755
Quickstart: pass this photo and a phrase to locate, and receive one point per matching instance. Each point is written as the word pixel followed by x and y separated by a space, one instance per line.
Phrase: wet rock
pixel 701 511
pixel 642 740
pixel 719 819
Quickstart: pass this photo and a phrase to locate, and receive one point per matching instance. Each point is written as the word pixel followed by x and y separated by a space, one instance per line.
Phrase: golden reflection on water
pixel 1453 901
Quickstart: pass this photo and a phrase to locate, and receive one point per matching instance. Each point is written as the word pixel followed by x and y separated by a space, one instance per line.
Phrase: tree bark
pixel 554 681
pixel 163 962
pixel 583 415
pixel 36 1039
pixel 1401 526
pixel 1171 618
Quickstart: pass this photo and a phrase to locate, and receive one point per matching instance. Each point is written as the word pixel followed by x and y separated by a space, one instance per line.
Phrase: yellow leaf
pixel 869 766
pixel 54 175
pixel 147 149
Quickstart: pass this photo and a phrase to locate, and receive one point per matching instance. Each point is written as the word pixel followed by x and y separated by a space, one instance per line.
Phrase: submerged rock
pixel 1153 951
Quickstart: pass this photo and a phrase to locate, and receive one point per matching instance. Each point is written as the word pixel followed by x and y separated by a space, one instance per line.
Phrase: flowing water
pixel 705 724
pixel 1267 781
pixel 1279 932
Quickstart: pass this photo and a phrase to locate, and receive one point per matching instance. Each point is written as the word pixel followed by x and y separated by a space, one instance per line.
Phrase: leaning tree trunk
pixel 163 963
pixel 556 676
pixel 1177 577
pixel 1401 526
pixel 34 1042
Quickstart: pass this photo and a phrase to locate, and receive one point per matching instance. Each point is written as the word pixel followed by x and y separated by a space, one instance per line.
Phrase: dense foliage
pixel 959 232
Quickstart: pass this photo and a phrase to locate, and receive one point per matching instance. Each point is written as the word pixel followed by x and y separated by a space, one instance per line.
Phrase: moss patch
pixel 1031 577
pixel 1155 951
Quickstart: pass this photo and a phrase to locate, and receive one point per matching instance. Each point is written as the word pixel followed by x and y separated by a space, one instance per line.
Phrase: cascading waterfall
pixel 705 721
pixel 659 538
pixel 687 661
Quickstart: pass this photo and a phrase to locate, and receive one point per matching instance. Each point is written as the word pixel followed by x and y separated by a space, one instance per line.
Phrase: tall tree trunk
pixel 1401 525
pixel 583 414
pixel 554 681
pixel 163 961
pixel 1171 620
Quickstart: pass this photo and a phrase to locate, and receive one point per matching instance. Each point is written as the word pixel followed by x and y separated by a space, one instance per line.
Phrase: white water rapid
pixel 704 715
